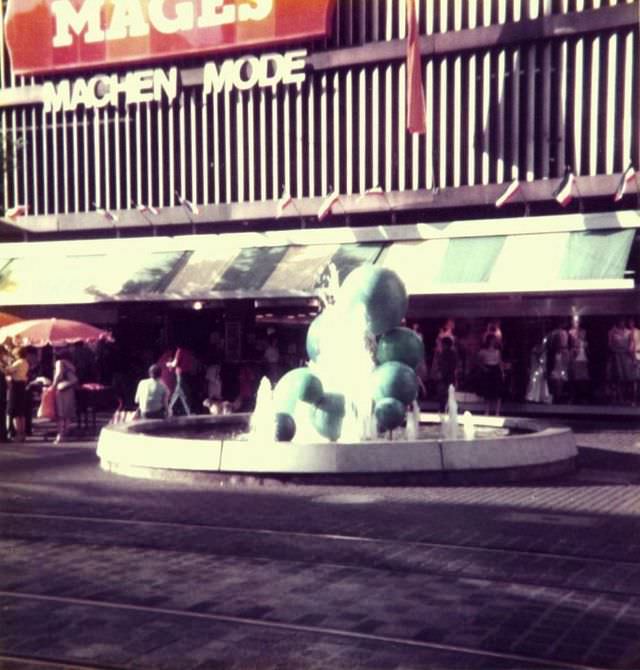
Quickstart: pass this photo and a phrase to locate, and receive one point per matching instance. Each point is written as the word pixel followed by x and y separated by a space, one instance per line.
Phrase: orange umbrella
pixel 6 318
pixel 57 332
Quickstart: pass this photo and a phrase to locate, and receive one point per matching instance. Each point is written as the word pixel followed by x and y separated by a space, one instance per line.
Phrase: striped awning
pixel 77 279
pixel 266 272
pixel 542 262
pixel 253 267
pixel 209 272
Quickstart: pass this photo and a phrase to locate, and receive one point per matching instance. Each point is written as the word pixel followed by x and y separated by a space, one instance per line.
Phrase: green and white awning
pixel 539 262
pixel 435 260
pixel 210 272
pixel 265 272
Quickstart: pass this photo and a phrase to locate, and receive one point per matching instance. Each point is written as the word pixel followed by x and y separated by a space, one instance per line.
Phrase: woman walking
pixel 491 379
pixel 64 383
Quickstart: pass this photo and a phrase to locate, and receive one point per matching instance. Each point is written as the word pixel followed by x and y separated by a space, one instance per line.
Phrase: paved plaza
pixel 103 571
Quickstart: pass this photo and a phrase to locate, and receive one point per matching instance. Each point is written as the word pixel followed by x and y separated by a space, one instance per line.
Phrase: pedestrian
pixel 184 364
pixel 491 374
pixel 152 395
pixel 246 399
pixel 538 387
pixel 17 375
pixel 493 328
pixel 213 376
pixel 559 359
pixel 621 363
pixel 4 360
pixel 447 365
pixel 635 354
pixel 446 330
pixel 579 375
pixel 64 382
pixel 272 360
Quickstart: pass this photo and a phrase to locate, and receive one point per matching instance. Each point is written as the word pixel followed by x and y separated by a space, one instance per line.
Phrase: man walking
pixel 184 364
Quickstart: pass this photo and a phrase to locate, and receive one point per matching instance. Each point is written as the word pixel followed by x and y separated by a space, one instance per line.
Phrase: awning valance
pixel 266 272
pixel 542 262
pixel 209 272
pixel 56 279
pixel 431 261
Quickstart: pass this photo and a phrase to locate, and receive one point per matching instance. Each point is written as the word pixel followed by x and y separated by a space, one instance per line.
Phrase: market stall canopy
pixel 56 332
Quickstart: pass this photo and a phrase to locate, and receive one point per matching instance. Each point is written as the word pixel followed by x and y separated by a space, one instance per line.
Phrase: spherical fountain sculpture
pixel 350 415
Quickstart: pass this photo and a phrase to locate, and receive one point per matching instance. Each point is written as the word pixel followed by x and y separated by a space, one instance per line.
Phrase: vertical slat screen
pixel 523 110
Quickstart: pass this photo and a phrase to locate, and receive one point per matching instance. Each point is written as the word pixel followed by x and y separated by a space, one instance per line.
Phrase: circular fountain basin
pixel 183 448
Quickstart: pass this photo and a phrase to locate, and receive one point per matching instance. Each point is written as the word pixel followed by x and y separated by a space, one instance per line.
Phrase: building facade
pixel 520 89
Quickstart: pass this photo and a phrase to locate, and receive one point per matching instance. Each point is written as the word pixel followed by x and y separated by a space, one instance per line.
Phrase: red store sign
pixel 46 36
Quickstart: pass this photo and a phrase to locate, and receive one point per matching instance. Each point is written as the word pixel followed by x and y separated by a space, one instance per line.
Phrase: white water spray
pixel 468 426
pixel 262 419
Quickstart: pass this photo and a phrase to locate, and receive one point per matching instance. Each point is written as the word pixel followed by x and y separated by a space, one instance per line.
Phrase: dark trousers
pixel 181 394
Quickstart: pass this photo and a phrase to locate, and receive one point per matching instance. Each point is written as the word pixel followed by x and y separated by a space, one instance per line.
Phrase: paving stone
pixel 479 599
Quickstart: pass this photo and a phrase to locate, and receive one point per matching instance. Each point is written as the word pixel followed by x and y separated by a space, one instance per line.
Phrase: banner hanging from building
pixel 49 36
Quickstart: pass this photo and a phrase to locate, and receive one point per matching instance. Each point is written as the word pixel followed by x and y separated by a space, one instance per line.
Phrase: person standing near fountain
pixel 446 364
pixel 4 361
pixel 17 372
pixel 491 379
pixel 152 395
pixel 184 365
pixel 272 360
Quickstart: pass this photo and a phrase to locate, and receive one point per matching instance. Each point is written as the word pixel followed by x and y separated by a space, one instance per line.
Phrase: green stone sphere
pixel 285 427
pixel 382 294
pixel 328 414
pixel 395 380
pixel 389 414
pixel 400 344
pixel 315 333
pixel 295 385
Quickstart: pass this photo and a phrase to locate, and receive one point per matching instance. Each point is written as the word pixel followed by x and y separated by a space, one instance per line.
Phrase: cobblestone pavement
pixel 101 571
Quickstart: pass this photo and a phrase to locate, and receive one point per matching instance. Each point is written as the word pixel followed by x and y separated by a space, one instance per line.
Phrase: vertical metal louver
pixel 523 110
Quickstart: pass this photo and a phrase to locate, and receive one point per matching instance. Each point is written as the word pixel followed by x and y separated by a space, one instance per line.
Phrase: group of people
pixel 488 368
pixel 19 368
pixel 623 366
pixel 179 385
pixel 561 366
pixel 560 369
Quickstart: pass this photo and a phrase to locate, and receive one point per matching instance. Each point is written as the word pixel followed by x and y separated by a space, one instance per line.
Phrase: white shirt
pixel 151 395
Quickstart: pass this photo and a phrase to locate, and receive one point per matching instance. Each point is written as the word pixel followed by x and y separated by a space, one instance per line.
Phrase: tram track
pixel 11 661
pixel 275 532
pixel 523 660
pixel 378 554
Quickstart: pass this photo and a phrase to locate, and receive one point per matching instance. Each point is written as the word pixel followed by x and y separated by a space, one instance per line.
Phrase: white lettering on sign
pixel 249 71
pixel 128 18
pixel 103 90
pixel 152 85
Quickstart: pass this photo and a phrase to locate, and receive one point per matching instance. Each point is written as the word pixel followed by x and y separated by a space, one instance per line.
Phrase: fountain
pixel 468 426
pixel 351 412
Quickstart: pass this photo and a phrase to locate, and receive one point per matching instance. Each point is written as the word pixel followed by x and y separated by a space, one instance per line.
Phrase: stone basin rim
pixel 130 448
